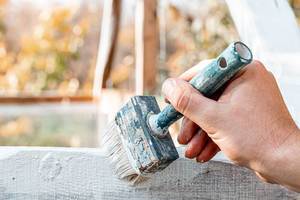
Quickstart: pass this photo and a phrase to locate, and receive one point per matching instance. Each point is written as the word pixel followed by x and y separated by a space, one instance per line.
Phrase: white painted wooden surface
pixel 83 174
pixel 266 26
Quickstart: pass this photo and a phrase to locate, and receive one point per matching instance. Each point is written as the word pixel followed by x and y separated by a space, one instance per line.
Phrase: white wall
pixel 270 29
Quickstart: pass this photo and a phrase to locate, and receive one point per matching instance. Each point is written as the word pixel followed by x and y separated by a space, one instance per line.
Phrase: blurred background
pixel 49 51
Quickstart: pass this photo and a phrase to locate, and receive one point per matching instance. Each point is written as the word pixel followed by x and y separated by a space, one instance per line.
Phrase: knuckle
pixel 260 67
pixel 256 67
pixel 258 63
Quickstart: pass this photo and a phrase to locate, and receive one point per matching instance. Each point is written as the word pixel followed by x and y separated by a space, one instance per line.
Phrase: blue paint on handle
pixel 235 57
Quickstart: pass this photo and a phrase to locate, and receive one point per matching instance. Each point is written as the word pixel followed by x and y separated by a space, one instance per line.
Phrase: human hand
pixel 249 122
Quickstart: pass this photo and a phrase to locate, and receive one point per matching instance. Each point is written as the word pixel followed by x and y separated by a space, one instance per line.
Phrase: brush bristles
pixel 116 153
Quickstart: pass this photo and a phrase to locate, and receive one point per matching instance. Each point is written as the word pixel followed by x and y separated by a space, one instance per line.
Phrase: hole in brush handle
pixel 222 63
pixel 243 51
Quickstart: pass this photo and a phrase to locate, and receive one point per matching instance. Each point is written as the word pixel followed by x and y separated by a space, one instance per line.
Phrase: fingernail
pixel 182 138
pixel 187 153
pixel 179 139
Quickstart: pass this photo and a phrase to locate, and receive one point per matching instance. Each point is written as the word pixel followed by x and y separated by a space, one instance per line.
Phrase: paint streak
pixel 50 167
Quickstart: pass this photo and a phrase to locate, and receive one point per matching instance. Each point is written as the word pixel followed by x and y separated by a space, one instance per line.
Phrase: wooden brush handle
pixel 236 56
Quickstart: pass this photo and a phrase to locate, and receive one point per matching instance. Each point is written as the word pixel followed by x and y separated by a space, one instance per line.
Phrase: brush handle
pixel 236 56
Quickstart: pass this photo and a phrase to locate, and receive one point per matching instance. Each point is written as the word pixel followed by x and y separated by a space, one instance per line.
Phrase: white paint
pixel 266 26
pixel 85 175
pixel 49 167
pixel 270 29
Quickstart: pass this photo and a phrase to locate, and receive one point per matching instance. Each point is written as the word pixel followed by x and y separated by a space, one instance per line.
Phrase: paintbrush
pixel 138 142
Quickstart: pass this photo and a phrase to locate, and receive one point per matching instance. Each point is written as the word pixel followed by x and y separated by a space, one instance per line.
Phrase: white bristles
pixel 116 153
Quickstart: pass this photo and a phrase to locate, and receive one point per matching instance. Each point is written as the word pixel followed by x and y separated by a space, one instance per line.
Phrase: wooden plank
pixel 43 99
pixel 146 46
pixel 83 174
pixel 108 39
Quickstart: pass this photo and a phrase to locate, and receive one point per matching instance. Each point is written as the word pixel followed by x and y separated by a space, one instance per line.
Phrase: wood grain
pixel 83 174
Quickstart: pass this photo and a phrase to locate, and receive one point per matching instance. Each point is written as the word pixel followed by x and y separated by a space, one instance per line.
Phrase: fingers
pixel 188 101
pixel 196 145
pixel 187 131
pixel 199 143
pixel 201 147
pixel 210 150
pixel 189 74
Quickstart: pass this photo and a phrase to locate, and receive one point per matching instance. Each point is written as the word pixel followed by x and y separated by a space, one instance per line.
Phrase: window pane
pixel 193 31
pixel 67 125
pixel 48 47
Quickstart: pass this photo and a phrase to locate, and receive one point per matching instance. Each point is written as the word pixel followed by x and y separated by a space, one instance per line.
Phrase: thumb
pixel 192 104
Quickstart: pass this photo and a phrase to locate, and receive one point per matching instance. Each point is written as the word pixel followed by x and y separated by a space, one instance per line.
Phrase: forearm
pixel 283 165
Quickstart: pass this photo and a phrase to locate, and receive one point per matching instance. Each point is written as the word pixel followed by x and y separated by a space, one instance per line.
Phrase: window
pixel 48 53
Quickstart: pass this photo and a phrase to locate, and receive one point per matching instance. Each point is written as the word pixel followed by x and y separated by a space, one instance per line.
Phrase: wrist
pixel 281 164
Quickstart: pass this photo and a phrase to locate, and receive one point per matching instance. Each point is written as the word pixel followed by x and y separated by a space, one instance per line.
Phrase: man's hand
pixel 249 122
